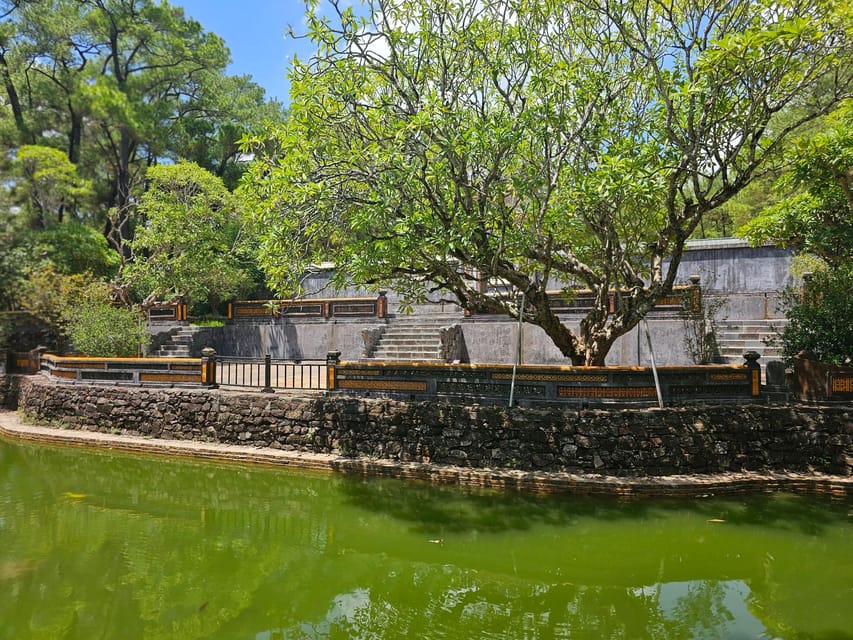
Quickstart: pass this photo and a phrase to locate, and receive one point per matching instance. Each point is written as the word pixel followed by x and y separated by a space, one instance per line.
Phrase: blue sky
pixel 255 32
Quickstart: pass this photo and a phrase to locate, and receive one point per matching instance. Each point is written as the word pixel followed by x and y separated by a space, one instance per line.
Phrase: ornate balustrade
pixel 532 384
pixel 309 308
pixel 582 300
pixel 166 312
pixel 148 371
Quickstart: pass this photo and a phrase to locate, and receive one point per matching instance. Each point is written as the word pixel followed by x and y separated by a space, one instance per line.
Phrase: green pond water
pixel 102 545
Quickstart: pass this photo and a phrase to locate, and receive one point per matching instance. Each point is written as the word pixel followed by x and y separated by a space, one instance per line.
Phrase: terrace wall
pixel 623 442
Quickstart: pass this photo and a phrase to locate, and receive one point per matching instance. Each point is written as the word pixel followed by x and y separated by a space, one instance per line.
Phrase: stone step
pixel 429 344
pixel 744 335
pixel 426 319
pixel 179 343
pixel 762 326
pixel 408 333
pixel 174 348
pixel 406 353
pixel 412 339
pixel 748 345
pixel 737 357
pixel 406 358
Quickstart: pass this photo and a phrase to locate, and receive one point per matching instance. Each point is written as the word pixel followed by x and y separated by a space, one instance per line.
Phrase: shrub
pixel 700 320
pixel 819 317
pixel 106 331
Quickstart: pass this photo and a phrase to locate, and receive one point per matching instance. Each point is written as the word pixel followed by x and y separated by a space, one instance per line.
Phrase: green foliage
pixel 107 331
pixel 700 318
pixel 116 85
pixel 47 185
pixel 819 317
pixel 72 248
pixel 188 244
pixel 816 217
pixel 13 262
pixel 78 308
pixel 54 298
pixel 443 147
pixel 232 107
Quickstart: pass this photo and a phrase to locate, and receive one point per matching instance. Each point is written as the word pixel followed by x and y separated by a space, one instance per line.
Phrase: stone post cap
pixel 208 352
pixel 751 358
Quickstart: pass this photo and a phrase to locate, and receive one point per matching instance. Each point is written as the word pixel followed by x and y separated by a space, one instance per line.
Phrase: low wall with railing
pixel 252 310
pixel 166 312
pixel 149 371
pixel 532 384
pixel 462 383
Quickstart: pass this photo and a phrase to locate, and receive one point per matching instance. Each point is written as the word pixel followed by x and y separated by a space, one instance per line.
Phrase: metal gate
pixel 269 374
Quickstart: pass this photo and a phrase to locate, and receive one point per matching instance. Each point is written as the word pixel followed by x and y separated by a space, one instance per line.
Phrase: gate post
pixel 267 375
pixel 208 368
pixel 751 358
pixel 332 360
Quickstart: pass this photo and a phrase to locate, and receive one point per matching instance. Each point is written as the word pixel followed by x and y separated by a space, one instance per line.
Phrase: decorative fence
pixel 158 371
pixel 310 308
pixel 265 374
pixel 166 312
pixel 819 381
pixel 582 300
pixel 482 383
pixel 532 384
pixel 23 361
pixel 269 374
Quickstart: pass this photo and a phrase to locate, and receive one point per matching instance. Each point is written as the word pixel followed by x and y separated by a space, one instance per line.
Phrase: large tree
pixel 189 244
pixel 460 143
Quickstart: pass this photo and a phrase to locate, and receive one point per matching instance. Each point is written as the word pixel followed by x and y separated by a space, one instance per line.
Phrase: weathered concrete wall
pixel 494 341
pixel 726 265
pixel 299 340
pixel 730 265
pixel 487 340
pixel 635 442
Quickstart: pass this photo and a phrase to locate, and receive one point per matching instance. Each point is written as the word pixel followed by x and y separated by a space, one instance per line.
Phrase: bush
pixel 700 320
pixel 106 331
pixel 819 317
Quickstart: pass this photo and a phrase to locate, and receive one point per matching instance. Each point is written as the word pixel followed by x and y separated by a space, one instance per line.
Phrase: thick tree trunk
pixel 119 228
pixel 75 136
pixel 14 100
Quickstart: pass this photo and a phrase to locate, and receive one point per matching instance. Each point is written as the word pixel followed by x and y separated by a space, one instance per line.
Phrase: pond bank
pixel 698 485
pixel 623 451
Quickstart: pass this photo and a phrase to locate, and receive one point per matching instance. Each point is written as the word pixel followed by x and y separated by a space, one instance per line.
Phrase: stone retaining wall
pixel 627 442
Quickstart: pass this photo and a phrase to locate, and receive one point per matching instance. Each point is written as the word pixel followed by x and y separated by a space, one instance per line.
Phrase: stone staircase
pixel 412 338
pixel 736 337
pixel 179 344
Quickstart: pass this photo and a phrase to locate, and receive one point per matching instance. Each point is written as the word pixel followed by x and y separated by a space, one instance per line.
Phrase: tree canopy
pixel 816 216
pixel 117 86
pixel 188 246
pixel 486 150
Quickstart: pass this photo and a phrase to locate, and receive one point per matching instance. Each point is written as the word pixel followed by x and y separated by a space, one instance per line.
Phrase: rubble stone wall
pixel 619 442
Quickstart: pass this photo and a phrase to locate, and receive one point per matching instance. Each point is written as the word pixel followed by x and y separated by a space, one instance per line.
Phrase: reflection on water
pixel 116 546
